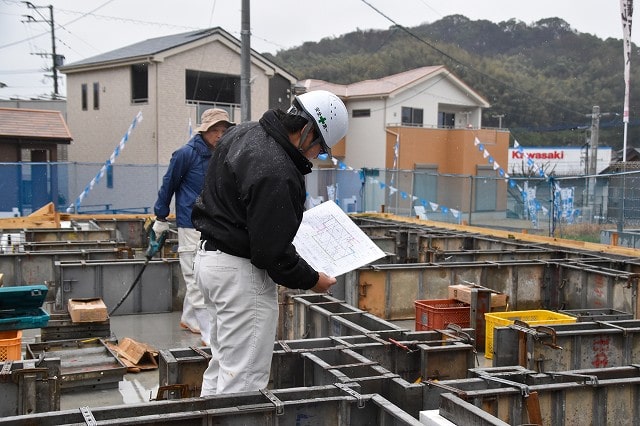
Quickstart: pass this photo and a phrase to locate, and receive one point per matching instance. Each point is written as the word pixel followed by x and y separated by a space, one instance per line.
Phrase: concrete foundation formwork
pixel 342 358
pixel 323 406
pixel 29 386
pixel 577 397
pixel 534 275
pixel 39 267
pixel 111 280
pixel 568 346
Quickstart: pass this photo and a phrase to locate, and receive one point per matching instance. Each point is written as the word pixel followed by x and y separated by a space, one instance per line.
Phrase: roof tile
pixel 33 124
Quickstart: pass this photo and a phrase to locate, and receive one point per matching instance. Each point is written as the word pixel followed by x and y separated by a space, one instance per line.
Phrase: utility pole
pixel 593 155
pixel 245 66
pixel 57 60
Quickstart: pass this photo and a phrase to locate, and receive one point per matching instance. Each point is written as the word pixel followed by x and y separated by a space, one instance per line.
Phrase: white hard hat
pixel 329 114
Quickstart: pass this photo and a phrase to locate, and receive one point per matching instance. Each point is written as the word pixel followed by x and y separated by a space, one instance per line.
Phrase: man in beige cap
pixel 184 178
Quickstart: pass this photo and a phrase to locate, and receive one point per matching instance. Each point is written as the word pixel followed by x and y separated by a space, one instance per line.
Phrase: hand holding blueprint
pixel 330 242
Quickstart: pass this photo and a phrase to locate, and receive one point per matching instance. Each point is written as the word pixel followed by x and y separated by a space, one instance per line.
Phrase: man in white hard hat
pixel 184 178
pixel 248 213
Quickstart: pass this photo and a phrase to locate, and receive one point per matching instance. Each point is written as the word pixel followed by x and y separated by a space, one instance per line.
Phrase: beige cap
pixel 211 117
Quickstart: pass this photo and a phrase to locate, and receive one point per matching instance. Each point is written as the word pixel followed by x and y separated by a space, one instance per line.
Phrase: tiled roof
pixel 381 86
pixel 147 47
pixel 389 85
pixel 19 123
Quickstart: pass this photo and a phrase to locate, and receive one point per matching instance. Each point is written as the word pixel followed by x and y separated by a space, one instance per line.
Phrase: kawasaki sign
pixel 561 161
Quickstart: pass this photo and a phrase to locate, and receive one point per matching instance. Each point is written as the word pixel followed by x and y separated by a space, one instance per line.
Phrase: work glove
pixel 160 226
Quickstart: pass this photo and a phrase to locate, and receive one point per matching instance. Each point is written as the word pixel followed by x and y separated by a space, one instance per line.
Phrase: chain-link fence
pixel 541 204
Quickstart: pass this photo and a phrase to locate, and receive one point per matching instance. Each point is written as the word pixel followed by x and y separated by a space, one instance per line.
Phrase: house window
pixel 96 95
pixel 361 113
pixel 139 83
pixel 446 120
pixel 85 97
pixel 212 87
pixel 412 116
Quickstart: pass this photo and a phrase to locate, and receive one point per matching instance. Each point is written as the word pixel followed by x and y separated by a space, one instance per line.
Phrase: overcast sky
pixel 85 28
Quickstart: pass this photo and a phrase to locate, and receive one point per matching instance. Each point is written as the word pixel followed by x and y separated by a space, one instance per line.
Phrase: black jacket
pixel 253 199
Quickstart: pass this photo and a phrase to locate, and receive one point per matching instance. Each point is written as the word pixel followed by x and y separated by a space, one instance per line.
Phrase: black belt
pixel 209 245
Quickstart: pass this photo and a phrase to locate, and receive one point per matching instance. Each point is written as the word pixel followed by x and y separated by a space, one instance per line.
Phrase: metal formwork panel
pixel 110 281
pixel 68 234
pixel 359 323
pixel 576 397
pixel 568 346
pixel 300 312
pixel 183 366
pixel 60 327
pixel 488 255
pixel 85 363
pixel 389 291
pixel 130 231
pixel 347 366
pixel 322 406
pixel 319 316
pixel 29 386
pixel 386 244
pixel 73 245
pixel 446 360
pixel 37 267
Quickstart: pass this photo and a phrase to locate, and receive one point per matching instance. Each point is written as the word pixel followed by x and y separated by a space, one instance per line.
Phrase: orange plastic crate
pixel 10 345
pixel 436 314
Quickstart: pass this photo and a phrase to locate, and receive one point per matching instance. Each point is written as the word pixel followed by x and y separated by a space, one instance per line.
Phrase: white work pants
pixel 194 315
pixel 243 300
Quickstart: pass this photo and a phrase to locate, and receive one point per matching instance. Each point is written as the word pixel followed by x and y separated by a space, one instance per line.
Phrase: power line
pixel 465 65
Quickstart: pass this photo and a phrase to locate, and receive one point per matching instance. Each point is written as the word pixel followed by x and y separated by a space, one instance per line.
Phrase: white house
pixel 428 97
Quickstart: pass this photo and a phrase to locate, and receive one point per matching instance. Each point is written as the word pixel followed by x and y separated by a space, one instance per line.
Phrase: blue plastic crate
pixel 21 307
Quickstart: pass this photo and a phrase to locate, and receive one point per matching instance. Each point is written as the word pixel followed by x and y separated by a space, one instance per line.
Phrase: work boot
pixel 188 319
pixel 190 327
pixel 204 321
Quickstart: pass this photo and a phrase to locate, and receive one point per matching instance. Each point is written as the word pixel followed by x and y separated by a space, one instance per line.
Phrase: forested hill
pixel 543 77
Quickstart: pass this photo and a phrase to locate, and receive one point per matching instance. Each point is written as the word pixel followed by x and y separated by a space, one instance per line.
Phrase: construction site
pixel 454 325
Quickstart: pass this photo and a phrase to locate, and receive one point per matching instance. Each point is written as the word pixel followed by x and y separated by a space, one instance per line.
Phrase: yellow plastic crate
pixel 10 345
pixel 533 318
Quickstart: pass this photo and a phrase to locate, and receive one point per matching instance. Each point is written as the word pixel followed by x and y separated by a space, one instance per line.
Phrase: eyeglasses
pixel 324 151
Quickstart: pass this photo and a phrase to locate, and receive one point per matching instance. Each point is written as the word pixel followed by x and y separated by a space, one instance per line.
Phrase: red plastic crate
pixel 436 314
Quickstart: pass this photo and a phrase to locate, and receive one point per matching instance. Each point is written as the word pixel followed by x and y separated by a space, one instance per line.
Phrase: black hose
pixel 135 282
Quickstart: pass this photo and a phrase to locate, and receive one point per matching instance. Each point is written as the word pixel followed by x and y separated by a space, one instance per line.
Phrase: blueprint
pixel 330 242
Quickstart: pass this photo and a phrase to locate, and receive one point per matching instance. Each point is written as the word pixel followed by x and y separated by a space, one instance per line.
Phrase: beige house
pixel 170 80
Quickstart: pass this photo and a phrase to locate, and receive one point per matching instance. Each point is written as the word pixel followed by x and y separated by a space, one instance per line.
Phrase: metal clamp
pixel 542 329
pixel 348 389
pixel 403 346
pixel 274 400
pixel 462 394
pixel 457 333
pixel 181 389
pixel 524 389
pixel 589 379
pixel 88 416
pixel 285 346
pixel 200 352
pixel 5 372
